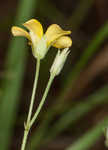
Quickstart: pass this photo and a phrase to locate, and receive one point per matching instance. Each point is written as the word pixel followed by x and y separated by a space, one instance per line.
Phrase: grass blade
pixel 87 140
pixel 15 64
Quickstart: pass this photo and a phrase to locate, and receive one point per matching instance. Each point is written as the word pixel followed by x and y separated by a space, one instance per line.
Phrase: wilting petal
pixel 54 32
pixel 63 42
pixel 34 26
pixel 16 31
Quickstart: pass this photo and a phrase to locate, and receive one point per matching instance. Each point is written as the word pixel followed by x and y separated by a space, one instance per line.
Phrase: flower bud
pixel 59 61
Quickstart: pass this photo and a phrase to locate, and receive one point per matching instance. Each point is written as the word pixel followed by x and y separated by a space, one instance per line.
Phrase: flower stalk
pixel 27 124
pixel 43 99
pixel 34 90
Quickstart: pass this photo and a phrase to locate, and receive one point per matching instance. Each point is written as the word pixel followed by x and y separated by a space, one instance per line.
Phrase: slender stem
pixel 34 91
pixel 42 100
pixel 24 140
pixel 27 125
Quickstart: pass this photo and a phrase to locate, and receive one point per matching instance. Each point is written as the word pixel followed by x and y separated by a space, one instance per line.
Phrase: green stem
pixel 27 125
pixel 34 91
pixel 24 139
pixel 42 100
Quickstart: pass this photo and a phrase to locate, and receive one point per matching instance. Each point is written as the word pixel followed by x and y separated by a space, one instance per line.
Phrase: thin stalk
pixel 27 125
pixel 24 139
pixel 34 91
pixel 42 100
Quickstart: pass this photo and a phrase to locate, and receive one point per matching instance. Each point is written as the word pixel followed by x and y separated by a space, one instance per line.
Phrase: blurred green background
pixel 75 114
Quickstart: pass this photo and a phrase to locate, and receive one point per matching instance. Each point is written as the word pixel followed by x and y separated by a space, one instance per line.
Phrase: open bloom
pixel 59 61
pixel 41 42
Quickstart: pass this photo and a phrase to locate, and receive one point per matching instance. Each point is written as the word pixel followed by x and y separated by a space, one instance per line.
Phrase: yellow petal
pixel 16 31
pixel 34 26
pixel 54 32
pixel 63 42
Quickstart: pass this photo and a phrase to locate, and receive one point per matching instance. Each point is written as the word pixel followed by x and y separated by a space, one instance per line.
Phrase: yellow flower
pixel 41 42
